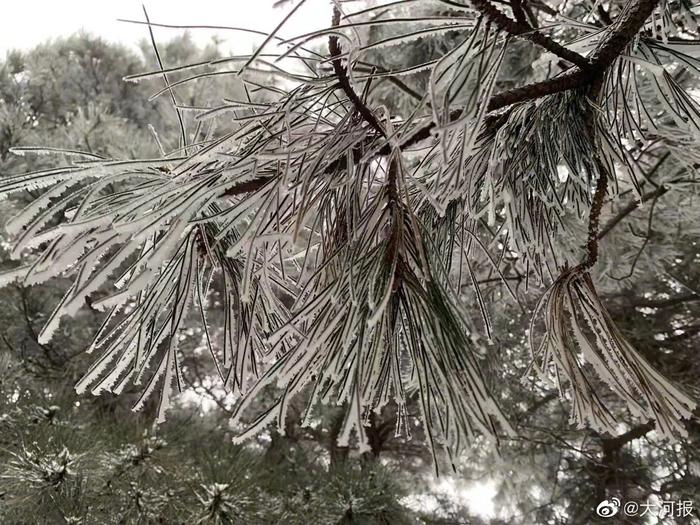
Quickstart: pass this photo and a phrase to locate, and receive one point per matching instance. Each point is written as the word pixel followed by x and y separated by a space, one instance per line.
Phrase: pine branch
pixel 567 81
pixel 522 29
pixel 611 445
pixel 573 307
pixel 619 35
pixel 344 81
pixel 602 182
pixel 517 8
pixel 621 32
pixel 613 43
pixel 594 218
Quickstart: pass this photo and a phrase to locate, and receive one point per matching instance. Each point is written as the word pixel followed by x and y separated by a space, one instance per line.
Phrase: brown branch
pixel 569 80
pixel 344 81
pixel 612 44
pixel 522 29
pixel 622 31
pixel 602 182
pixel 518 11
pixel 615 443
pixel 594 219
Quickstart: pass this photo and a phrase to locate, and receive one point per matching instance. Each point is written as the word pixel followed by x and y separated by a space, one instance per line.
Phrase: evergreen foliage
pixel 436 243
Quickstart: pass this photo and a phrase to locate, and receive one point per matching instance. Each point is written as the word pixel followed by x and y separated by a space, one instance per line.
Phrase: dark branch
pixel 344 81
pixel 615 443
pixel 618 35
pixel 601 184
pixel 612 45
pixel 622 31
pixel 518 11
pixel 523 29
pixel 565 82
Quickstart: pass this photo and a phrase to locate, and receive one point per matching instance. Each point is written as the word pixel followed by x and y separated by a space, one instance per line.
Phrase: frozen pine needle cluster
pixel 339 217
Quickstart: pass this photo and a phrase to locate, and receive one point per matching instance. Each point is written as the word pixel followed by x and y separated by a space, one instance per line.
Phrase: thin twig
pixel 344 81
pixel 661 190
pixel 522 29
pixel 667 303
pixel 602 182
pixel 618 36
pixel 644 244
pixel 612 45
pixel 617 442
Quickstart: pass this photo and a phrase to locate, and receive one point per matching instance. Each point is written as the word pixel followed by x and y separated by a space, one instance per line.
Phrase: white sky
pixel 25 23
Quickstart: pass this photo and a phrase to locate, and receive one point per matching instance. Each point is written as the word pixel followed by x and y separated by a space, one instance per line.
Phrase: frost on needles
pixel 337 215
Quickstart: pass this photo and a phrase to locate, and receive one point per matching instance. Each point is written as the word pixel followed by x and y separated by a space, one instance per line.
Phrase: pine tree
pixel 346 240
pixel 66 458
